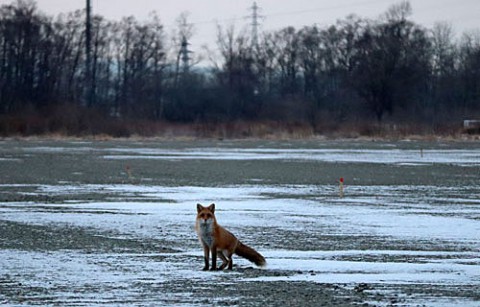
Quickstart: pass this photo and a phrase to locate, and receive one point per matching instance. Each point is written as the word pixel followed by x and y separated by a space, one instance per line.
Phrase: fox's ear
pixel 212 208
pixel 199 207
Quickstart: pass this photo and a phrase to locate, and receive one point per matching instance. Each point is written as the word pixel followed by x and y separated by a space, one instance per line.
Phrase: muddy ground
pixel 68 238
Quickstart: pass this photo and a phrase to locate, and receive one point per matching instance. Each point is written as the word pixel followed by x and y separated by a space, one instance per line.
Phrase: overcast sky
pixel 462 14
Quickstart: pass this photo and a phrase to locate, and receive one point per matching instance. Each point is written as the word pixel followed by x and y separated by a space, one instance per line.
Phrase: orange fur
pixel 218 241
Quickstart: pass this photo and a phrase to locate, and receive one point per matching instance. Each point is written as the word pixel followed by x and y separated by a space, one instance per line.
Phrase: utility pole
pixel 88 52
pixel 184 54
pixel 255 24
pixel 183 60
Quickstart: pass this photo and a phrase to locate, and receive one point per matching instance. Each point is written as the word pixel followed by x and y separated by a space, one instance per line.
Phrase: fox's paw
pixel 205 268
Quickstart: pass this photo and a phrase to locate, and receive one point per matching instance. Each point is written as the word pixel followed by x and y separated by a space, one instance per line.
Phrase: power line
pixel 281 14
pixel 325 8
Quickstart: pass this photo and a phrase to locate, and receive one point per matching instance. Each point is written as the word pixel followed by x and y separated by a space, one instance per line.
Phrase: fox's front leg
pixel 206 254
pixel 214 258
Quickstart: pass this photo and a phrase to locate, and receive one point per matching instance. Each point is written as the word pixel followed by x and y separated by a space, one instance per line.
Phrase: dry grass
pixel 75 122
pixel 253 129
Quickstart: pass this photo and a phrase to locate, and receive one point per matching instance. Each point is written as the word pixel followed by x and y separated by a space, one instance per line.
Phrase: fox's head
pixel 206 215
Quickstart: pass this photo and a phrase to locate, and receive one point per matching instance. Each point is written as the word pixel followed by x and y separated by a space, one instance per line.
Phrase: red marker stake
pixel 129 171
pixel 341 187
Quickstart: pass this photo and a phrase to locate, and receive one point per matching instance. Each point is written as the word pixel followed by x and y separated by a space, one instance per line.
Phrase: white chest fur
pixel 205 232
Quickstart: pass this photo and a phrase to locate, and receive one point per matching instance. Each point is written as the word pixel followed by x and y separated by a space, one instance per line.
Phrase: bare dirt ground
pixel 111 223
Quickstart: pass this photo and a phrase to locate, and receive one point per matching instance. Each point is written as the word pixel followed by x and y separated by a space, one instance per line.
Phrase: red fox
pixel 216 239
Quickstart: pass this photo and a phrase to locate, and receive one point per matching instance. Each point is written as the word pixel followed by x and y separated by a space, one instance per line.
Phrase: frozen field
pixel 92 223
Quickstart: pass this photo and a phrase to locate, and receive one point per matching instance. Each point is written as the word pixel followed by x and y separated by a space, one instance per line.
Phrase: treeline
pixel 358 70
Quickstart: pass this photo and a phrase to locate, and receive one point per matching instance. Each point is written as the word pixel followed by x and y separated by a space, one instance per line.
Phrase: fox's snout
pixel 206 221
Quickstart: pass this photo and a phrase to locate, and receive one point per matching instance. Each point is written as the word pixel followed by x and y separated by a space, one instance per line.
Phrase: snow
pixel 247 206
pixel 446 217
pixel 401 157
pixel 376 210
pixel 396 156
pixel 322 270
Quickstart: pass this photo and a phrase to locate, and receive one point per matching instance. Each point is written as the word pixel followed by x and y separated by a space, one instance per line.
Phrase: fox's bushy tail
pixel 250 254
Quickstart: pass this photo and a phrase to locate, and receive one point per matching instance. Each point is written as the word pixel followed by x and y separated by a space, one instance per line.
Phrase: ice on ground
pixel 396 156
pixel 406 215
pixel 385 235
pixel 447 219
pixel 402 157
pixel 404 212
pixel 323 270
